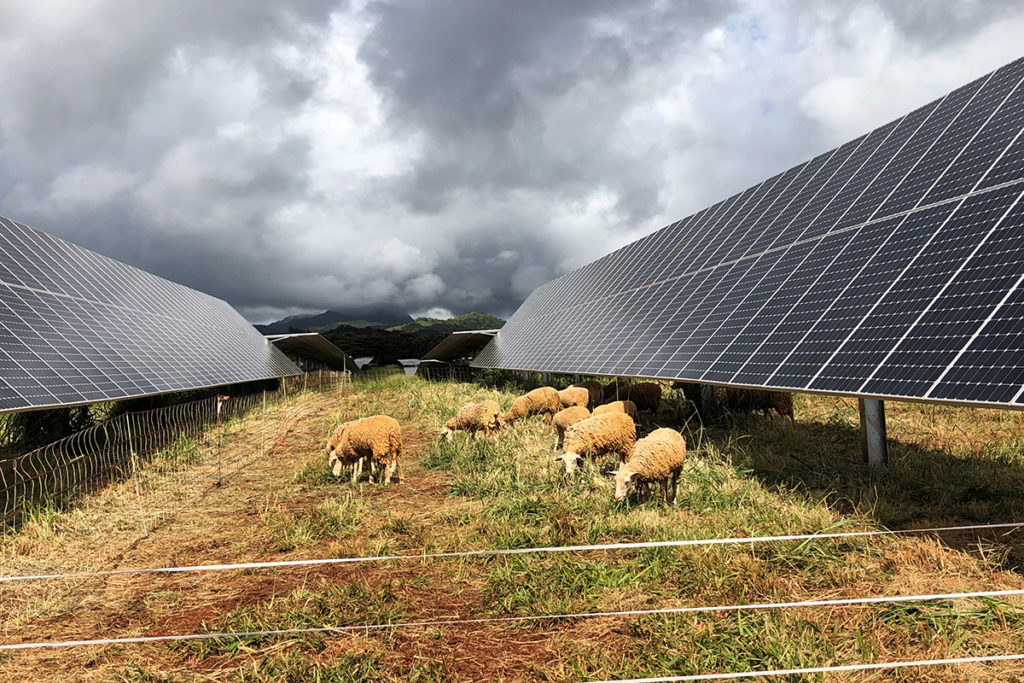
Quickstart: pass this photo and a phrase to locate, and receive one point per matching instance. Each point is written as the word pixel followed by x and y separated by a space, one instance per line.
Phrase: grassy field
pixel 746 476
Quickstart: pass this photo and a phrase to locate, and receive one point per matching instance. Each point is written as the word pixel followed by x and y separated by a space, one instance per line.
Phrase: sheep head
pixel 624 481
pixel 334 462
pixel 572 461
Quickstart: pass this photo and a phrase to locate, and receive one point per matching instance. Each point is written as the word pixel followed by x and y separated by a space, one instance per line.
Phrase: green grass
pixel 745 476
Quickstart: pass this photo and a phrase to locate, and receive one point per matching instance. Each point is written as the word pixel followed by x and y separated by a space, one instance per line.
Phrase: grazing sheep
pixel 596 436
pixel 614 391
pixel 749 400
pixel 474 417
pixel 542 401
pixel 627 407
pixel 596 391
pixel 377 439
pixel 574 396
pixel 655 458
pixel 566 418
pixel 646 396
pixel 338 464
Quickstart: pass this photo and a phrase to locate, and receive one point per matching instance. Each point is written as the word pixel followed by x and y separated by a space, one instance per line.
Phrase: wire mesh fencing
pixel 169 455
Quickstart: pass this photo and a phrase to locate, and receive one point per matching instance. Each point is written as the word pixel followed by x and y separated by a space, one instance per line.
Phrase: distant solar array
pixel 888 267
pixel 77 327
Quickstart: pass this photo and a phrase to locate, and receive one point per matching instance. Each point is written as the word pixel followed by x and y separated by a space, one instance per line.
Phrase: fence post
pixel 220 435
pixel 263 424
pixel 135 475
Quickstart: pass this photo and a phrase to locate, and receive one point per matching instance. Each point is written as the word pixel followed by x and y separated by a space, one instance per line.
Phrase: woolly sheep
pixel 542 401
pixel 596 391
pixel 566 418
pixel 596 436
pixel 377 438
pixel 614 391
pixel 646 396
pixel 336 463
pixel 474 417
pixel 655 458
pixel 574 396
pixel 627 407
pixel 749 400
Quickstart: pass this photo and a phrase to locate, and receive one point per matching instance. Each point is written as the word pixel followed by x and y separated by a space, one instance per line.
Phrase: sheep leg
pixel 398 464
pixel 675 487
pixel 355 470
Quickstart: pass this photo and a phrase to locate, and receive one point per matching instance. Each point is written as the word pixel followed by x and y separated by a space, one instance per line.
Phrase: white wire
pixel 509 551
pixel 823 669
pixel 542 617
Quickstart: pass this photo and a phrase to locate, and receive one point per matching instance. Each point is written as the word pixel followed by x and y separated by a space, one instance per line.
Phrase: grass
pixel 745 476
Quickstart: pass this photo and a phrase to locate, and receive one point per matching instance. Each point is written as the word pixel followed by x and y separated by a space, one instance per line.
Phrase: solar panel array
pixel 77 327
pixel 890 266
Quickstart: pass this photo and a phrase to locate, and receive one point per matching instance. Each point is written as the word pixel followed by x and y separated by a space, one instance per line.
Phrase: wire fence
pixel 169 454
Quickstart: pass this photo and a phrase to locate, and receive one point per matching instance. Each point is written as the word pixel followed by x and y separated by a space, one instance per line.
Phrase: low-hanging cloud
pixel 444 156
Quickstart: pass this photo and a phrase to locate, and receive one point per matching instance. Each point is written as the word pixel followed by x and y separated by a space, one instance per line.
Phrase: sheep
pixel 574 396
pixel 566 418
pixel 749 400
pixel 377 438
pixel 337 463
pixel 596 436
pixel 627 407
pixel 542 401
pixel 596 391
pixel 655 458
pixel 646 396
pixel 474 417
pixel 613 391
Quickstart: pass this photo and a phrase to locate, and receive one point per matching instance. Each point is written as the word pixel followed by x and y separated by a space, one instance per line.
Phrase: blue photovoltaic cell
pixel 890 266
pixel 77 327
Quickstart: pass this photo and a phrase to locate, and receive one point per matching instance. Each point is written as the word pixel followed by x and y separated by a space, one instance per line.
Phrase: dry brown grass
pixel 748 476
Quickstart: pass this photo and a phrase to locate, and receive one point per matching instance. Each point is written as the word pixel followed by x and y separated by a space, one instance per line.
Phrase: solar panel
pixel 890 266
pixel 77 327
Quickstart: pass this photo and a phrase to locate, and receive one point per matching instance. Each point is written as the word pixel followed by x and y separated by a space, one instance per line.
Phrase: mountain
pixel 409 340
pixel 468 321
pixel 356 317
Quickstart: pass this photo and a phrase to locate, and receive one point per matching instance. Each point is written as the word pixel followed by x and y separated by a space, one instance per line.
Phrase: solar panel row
pixel 77 327
pixel 889 266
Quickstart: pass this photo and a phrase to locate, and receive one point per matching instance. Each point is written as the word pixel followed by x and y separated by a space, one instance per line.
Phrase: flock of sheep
pixel 590 420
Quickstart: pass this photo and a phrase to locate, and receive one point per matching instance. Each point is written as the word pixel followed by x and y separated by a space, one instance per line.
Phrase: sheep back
pixel 646 396
pixel 574 396
pixel 378 437
pixel 472 417
pixel 749 400
pixel 541 401
pixel 601 434
pixel 596 391
pixel 658 455
pixel 627 407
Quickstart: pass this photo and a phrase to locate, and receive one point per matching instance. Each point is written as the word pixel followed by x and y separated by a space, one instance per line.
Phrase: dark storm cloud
pixel 454 154
pixel 480 80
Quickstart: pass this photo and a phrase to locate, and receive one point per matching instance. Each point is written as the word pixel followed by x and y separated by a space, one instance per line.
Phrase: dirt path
pixel 221 527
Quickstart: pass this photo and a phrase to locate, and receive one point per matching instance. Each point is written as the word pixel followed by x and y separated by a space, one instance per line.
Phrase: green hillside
pixel 411 340
pixel 468 321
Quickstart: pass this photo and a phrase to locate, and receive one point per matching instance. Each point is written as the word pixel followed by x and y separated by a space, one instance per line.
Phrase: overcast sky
pixel 296 156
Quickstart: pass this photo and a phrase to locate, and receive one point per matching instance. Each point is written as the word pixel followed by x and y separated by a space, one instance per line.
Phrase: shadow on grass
pixel 970 482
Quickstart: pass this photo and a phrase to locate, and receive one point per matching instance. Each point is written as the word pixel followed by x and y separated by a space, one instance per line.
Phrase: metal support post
pixel 544 378
pixel 872 431
pixel 708 402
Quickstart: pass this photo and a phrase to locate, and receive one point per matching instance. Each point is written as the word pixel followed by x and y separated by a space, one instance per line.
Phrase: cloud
pixel 449 155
